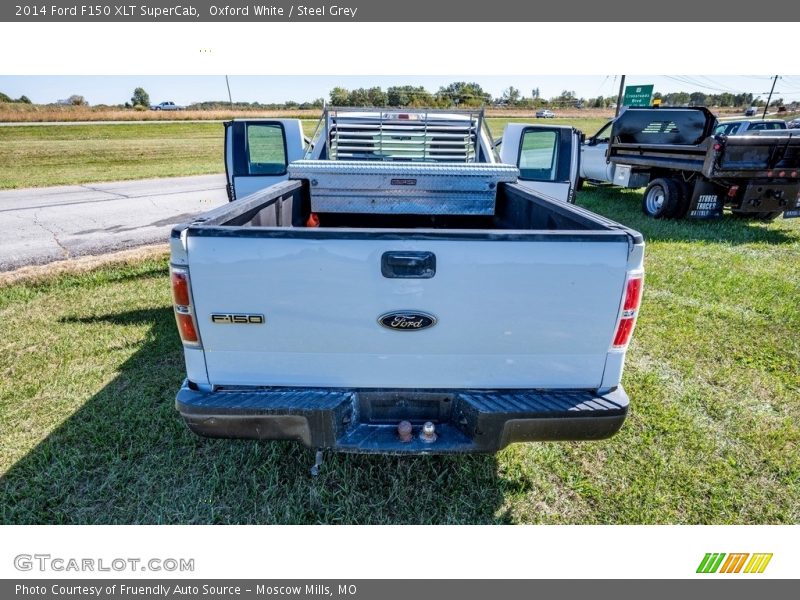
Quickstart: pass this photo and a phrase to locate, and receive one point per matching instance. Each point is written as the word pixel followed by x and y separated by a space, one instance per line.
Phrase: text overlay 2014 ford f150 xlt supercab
pixel 397 285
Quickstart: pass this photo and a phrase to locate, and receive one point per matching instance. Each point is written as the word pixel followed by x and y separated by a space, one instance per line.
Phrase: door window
pixel 266 149
pixel 726 128
pixel 764 126
pixel 538 158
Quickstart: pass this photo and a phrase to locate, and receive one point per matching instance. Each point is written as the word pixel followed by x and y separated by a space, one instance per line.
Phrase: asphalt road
pixel 41 225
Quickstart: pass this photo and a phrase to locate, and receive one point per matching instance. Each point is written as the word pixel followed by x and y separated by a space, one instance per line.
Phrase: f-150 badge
pixel 237 319
pixel 407 321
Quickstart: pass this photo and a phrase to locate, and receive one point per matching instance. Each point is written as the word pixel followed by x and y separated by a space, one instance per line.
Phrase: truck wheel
pixel 660 199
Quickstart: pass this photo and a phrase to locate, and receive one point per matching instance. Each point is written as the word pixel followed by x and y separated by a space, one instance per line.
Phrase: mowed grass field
pixel 90 363
pixel 42 155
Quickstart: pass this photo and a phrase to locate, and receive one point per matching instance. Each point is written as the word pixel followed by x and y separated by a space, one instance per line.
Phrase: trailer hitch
pixel 317 463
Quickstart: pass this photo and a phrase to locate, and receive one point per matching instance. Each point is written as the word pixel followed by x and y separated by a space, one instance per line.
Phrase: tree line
pixel 461 94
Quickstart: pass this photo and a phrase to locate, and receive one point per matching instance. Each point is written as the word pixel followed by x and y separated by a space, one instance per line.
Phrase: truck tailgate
pixel 512 310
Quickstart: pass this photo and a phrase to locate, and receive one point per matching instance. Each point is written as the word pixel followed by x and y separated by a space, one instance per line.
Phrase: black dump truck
pixel 689 171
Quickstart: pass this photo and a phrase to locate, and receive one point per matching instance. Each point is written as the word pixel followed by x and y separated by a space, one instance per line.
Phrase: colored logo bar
pixel 736 562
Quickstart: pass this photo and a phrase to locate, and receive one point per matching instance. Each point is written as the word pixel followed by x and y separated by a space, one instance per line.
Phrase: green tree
pixel 511 96
pixel 462 93
pixel 140 97
pixel 340 96
pixel 407 95
pixel 377 97
pixel 358 97
pixel 697 98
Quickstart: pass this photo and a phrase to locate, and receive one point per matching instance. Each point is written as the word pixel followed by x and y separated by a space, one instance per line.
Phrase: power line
pixel 685 80
pixel 733 90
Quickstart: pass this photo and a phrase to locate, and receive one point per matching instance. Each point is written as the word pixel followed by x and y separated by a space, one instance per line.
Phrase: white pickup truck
pixel 396 285
pixel 750 126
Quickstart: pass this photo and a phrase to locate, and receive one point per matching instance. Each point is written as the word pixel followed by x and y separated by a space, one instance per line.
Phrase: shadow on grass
pixel 624 206
pixel 126 457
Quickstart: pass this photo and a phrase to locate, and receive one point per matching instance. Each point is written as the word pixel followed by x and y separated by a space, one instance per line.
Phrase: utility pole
pixel 774 81
pixel 230 98
pixel 619 97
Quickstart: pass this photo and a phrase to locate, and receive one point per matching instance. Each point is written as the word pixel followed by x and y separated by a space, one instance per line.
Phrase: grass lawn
pixel 42 155
pixel 89 365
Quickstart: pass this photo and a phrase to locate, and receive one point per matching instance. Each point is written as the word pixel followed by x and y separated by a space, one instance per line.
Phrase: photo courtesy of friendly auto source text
pixel 426 295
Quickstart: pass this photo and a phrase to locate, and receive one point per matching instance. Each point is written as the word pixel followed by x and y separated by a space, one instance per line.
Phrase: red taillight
pixel 182 298
pixel 732 191
pixel 633 294
pixel 717 147
pixel 630 307
pixel 624 331
pixel 186 327
pixel 180 288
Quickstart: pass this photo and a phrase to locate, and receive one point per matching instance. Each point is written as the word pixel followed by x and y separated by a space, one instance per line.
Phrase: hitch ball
pixel 428 433
pixel 404 431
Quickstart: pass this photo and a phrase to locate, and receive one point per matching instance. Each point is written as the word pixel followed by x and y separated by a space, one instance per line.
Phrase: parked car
pixel 751 111
pixel 545 114
pixel 794 124
pixel 743 126
pixel 166 106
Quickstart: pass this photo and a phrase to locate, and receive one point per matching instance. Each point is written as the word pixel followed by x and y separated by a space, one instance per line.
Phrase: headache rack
pixel 395 161
pixel 416 135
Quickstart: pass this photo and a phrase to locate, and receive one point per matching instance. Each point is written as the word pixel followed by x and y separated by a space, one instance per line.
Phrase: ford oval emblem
pixel 403 320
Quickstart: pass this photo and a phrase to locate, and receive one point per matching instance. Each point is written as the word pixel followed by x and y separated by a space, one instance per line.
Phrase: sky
pixel 117 89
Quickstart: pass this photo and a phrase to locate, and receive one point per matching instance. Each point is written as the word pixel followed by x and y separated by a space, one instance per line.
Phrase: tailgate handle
pixel 408 265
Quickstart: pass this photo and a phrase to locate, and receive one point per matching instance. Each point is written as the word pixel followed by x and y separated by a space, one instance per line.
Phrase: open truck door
pixel 257 153
pixel 547 156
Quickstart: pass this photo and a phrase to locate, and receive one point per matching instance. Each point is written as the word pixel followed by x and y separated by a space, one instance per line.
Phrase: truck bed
pixel 284 209
pixel 513 320
pixel 748 156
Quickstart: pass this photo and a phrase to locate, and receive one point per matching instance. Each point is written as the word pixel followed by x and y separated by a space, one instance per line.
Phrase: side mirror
pixel 591 141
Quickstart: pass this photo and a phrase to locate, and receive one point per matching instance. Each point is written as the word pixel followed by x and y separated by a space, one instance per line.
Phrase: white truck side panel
pixel 594 165
pixel 511 314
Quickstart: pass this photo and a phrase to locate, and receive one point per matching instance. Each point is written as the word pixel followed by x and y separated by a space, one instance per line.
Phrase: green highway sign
pixel 637 95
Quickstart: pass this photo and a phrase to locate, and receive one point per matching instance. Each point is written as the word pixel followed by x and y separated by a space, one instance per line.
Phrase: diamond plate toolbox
pixel 402 188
